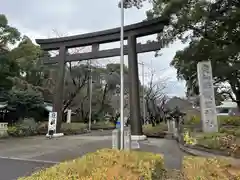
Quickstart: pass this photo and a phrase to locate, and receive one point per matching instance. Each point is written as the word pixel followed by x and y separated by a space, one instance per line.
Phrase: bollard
pixel 127 138
pixel 116 139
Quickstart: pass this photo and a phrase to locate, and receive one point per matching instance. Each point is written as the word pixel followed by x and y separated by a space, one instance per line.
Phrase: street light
pixel 122 75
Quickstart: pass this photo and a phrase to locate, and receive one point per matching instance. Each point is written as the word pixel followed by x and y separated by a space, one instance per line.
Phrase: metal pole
pixel 90 98
pixel 122 76
pixel 143 94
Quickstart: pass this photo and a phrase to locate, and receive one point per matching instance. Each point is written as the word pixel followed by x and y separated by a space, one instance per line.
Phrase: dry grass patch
pixel 106 164
pixel 198 168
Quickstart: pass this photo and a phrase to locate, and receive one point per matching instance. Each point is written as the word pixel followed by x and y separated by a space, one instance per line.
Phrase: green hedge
pixel 20 130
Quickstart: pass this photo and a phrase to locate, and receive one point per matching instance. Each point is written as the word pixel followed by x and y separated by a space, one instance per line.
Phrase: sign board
pixel 207 97
pixel 118 124
pixel 52 121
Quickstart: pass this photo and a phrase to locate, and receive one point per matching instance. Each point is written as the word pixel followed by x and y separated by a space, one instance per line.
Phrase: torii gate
pixel 95 39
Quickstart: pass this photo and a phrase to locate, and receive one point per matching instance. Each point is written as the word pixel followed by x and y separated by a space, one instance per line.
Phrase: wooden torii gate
pixel 95 39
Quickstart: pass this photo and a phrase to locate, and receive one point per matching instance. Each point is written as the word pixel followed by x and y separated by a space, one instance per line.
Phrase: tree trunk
pixel 103 100
pixel 238 106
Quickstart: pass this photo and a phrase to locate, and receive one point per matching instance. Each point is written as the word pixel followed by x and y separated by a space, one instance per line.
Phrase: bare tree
pixel 155 99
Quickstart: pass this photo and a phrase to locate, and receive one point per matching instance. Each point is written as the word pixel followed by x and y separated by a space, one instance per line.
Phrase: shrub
pixel 103 125
pixel 67 128
pixel 193 120
pixel 73 128
pixel 235 150
pixel 229 120
pixel 26 127
pixel 42 128
pixel 188 139
pixel 106 164
pixel 237 132
pixel 13 131
pixel 227 130
pixel 231 130
pixel 219 141
pixel 155 131
pixel 199 168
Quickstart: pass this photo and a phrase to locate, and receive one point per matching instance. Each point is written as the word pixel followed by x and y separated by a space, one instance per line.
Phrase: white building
pixel 227 107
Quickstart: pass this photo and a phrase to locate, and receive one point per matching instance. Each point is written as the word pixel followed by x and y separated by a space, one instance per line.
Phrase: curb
pixel 156 137
pixel 184 149
pixel 30 160
pixel 196 152
pixel 200 152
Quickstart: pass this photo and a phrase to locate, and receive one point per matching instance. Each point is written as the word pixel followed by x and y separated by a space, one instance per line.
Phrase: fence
pixel 3 128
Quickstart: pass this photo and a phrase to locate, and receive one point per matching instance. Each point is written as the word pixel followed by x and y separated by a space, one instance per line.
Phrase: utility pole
pixel 90 96
pixel 122 74
pixel 95 48
pixel 143 92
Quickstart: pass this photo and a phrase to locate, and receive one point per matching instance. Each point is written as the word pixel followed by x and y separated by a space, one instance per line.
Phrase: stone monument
pixel 116 139
pixel 207 97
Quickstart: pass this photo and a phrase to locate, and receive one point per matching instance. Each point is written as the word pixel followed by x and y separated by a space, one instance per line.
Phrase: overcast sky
pixel 38 19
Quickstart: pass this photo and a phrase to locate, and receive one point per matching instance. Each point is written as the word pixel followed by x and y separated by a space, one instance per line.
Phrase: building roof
pixel 3 105
pixel 182 104
pixel 227 104
pixel 48 107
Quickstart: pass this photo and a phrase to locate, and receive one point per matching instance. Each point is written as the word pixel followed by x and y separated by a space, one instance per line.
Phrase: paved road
pixel 12 169
pixel 20 157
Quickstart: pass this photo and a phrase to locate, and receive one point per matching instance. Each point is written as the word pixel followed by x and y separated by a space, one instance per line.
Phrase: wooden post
pixel 135 119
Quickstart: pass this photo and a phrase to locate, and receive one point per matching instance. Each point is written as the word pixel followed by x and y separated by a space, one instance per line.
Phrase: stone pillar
pixel 69 115
pixel 59 88
pixel 135 120
pixel 207 97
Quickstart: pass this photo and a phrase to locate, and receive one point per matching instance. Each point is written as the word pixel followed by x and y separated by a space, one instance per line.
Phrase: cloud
pixel 38 19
